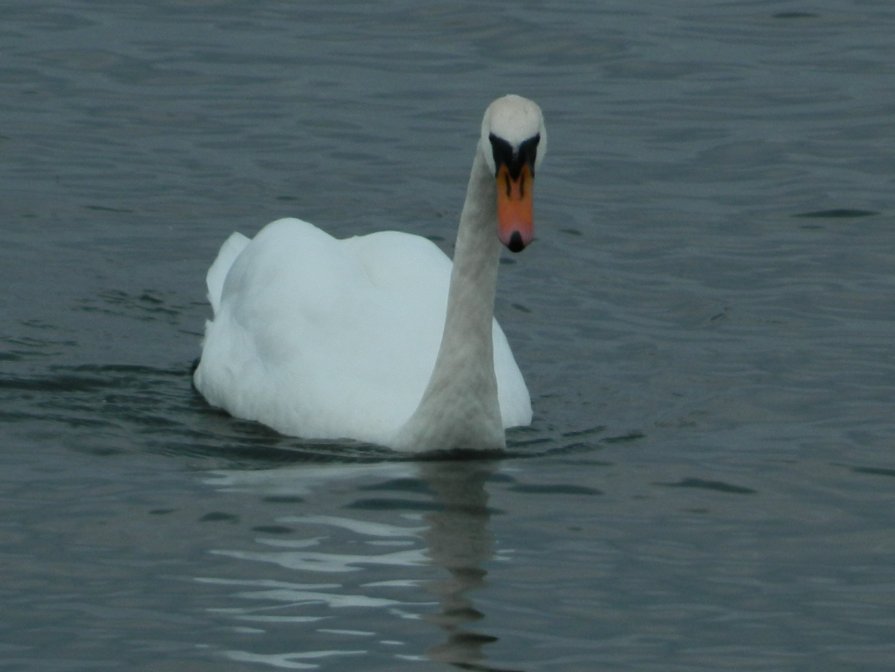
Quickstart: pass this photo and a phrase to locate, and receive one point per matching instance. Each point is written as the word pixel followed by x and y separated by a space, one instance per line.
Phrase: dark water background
pixel 706 324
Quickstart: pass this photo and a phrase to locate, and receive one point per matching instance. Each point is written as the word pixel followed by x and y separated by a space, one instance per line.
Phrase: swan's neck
pixel 459 408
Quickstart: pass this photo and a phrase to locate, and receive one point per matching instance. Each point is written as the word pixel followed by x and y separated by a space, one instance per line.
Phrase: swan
pixel 380 338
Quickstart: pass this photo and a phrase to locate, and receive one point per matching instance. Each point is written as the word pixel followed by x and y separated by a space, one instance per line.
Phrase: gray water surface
pixel 706 325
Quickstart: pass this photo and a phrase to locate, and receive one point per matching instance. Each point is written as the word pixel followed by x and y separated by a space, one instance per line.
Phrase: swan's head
pixel 513 143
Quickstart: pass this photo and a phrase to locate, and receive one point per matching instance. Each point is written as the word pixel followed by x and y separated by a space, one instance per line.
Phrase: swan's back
pixel 325 338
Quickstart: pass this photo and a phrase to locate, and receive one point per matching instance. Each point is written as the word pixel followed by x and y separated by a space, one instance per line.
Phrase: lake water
pixel 706 325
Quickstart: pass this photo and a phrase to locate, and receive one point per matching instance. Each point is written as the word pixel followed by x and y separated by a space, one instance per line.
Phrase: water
pixel 705 323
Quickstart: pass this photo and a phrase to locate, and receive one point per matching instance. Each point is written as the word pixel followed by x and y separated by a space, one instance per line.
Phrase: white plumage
pixel 324 338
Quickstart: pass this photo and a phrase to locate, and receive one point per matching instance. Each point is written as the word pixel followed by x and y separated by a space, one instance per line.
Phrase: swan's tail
pixel 214 280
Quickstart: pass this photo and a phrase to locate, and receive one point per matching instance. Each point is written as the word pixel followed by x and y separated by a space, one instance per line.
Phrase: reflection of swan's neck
pixel 460 543
pixel 459 408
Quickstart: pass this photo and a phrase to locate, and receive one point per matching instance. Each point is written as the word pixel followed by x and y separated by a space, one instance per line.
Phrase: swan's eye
pixel 506 155
pixel 528 152
pixel 502 152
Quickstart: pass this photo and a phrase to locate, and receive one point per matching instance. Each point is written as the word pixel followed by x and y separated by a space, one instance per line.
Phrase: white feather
pixel 324 338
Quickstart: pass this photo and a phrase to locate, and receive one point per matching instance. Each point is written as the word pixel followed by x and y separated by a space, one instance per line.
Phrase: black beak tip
pixel 516 244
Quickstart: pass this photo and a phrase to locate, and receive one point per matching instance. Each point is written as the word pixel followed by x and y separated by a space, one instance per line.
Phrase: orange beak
pixel 515 218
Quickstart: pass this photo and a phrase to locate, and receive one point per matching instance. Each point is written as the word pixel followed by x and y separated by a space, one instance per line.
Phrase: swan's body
pixel 379 338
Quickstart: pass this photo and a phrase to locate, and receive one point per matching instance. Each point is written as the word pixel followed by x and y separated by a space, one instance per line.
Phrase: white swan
pixel 380 338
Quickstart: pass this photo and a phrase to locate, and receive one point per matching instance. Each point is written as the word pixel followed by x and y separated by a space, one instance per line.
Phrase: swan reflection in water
pixel 460 542
pixel 316 589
